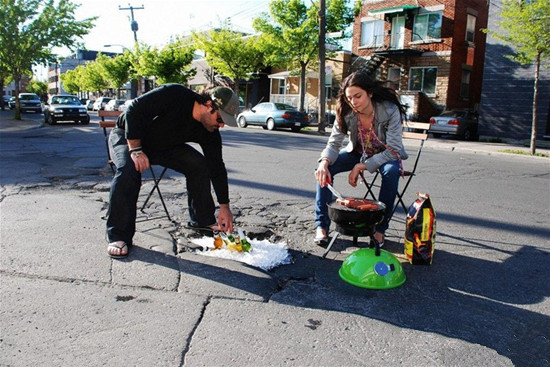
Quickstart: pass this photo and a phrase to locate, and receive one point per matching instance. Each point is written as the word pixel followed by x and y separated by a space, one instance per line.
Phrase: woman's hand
pixel 322 175
pixel 354 174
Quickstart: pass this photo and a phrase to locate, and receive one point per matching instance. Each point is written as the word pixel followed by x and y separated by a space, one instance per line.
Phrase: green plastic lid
pixel 363 268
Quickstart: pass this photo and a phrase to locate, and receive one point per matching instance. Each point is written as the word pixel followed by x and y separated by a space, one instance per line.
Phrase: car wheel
pixel 85 122
pixel 270 124
pixel 242 122
pixel 436 135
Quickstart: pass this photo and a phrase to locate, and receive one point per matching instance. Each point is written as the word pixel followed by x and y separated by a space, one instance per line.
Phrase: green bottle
pixel 246 246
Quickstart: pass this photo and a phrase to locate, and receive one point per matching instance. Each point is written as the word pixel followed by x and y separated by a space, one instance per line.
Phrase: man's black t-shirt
pixel 163 120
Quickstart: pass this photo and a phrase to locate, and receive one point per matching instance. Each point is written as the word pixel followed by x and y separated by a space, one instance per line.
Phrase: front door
pixel 398 32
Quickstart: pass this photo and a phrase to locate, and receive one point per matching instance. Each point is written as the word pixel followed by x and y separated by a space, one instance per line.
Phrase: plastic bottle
pixel 218 242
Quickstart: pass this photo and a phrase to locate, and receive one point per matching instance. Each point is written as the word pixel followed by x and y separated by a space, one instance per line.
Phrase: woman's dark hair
pixel 365 82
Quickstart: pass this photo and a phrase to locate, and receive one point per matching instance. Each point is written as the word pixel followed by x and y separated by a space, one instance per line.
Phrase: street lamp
pixel 116 44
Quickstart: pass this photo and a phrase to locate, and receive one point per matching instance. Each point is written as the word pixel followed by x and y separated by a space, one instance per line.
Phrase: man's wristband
pixel 134 150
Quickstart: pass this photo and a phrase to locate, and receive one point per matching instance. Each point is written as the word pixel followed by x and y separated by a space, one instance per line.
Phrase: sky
pixel 159 20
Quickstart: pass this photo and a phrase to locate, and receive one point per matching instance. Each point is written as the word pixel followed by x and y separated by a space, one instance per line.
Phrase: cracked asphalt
pixel 484 301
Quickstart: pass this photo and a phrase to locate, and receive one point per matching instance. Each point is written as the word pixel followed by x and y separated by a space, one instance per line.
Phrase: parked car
pixel 124 107
pixel 100 103
pixel 114 104
pixel 271 115
pixel 460 123
pixel 30 102
pixel 65 107
pixel 90 105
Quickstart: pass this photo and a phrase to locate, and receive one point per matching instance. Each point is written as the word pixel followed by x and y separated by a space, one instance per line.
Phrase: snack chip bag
pixel 420 231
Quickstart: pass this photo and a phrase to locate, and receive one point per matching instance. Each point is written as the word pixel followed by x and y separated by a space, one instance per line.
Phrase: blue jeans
pixel 125 187
pixel 344 163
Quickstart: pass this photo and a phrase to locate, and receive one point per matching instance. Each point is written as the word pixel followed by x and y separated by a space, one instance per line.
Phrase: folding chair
pixel 417 131
pixel 156 181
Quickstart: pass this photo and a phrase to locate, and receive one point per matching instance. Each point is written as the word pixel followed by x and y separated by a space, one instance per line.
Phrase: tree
pixel 527 27
pixel 117 69
pixel 171 64
pixel 38 87
pixel 291 33
pixel 29 31
pixel 231 53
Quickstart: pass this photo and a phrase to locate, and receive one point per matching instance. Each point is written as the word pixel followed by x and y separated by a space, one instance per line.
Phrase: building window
pixel 465 84
pixel 282 86
pixel 470 28
pixel 372 33
pixel 427 26
pixel 394 75
pixel 423 79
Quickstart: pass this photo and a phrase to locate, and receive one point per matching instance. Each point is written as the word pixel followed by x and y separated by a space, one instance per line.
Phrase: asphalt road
pixel 483 302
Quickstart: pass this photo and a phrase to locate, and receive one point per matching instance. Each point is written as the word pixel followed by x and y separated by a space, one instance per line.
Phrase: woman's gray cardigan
pixel 388 127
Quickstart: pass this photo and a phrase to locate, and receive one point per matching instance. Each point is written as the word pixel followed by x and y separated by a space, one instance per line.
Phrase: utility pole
pixel 133 23
pixel 136 84
pixel 322 76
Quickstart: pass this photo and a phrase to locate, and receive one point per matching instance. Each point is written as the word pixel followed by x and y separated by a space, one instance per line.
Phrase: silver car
pixel 460 123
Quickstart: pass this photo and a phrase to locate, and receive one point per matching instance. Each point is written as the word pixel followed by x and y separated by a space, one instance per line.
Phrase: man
pixel 155 129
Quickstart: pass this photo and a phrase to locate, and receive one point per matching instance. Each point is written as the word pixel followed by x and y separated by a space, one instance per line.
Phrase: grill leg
pixel 336 234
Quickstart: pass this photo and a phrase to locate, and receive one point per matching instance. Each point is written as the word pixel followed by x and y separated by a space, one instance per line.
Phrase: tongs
pixel 336 193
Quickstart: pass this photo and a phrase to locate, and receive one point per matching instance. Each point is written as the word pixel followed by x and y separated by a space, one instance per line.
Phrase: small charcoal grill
pixel 355 223
pixel 372 267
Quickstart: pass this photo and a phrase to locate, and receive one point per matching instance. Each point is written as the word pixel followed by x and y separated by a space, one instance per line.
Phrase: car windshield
pixel 65 100
pixel 283 106
pixel 28 97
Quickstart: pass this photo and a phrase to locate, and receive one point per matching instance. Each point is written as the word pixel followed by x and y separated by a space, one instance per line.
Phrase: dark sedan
pixel 65 108
pixel 273 115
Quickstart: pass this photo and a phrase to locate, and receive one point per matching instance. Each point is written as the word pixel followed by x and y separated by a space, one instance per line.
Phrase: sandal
pixel 117 246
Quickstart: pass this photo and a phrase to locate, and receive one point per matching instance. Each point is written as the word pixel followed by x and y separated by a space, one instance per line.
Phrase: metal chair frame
pixel 156 181
pixel 413 131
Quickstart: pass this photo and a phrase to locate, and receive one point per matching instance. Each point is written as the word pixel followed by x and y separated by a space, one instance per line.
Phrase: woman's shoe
pixel 321 238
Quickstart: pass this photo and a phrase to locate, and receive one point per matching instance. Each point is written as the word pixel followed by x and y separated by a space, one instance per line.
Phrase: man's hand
pixel 225 218
pixel 141 161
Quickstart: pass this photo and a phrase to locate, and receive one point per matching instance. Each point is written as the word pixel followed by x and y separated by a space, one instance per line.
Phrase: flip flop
pixel 118 245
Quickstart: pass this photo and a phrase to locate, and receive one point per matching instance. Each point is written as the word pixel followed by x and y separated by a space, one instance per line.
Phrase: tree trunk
pixel 533 145
pixel 303 85
pixel 17 82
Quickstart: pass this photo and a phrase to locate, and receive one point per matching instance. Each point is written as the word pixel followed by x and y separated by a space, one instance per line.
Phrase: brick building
pixel 431 51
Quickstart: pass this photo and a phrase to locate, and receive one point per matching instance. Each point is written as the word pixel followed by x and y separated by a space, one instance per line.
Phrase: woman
pixel 371 116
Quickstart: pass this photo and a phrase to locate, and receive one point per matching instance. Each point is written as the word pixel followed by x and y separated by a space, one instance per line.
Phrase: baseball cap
pixel 228 104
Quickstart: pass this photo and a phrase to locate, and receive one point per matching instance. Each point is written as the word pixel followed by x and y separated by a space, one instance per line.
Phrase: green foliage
pixel 290 33
pixel 169 65
pixel 71 81
pixel 230 53
pixel 117 70
pixel 526 25
pixel 94 76
pixel 36 86
pixel 31 28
